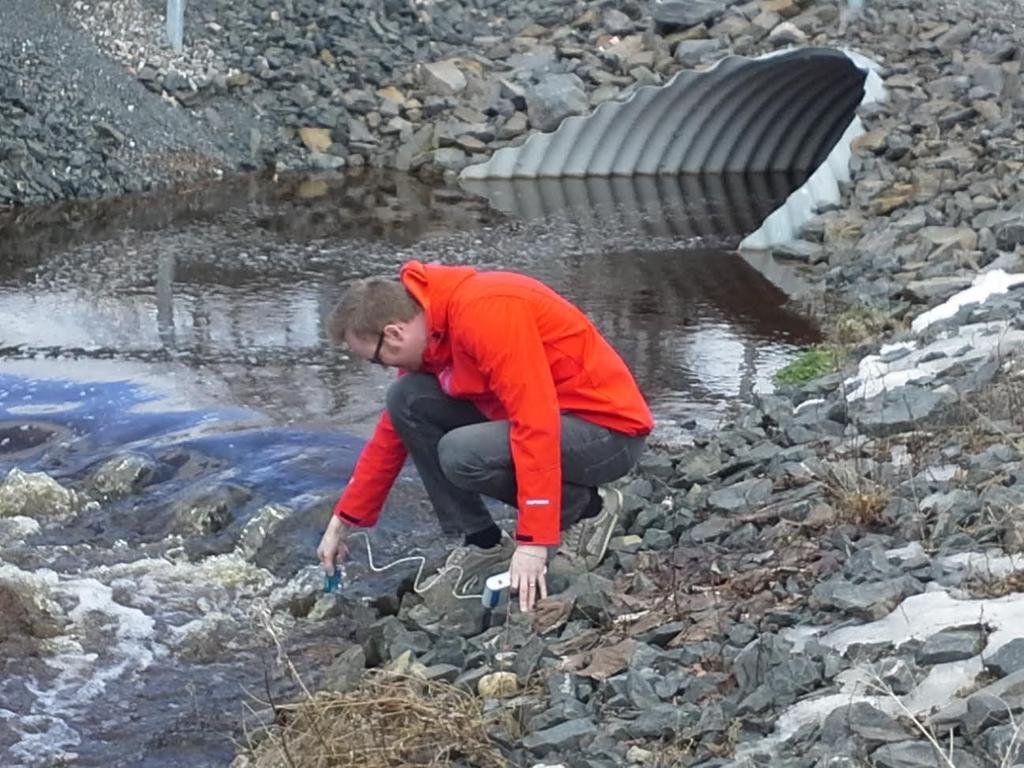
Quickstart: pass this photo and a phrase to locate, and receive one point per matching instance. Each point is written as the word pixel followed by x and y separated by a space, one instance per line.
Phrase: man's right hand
pixel 332 549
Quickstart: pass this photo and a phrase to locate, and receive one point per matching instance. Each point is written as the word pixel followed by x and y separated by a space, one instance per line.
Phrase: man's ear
pixel 394 332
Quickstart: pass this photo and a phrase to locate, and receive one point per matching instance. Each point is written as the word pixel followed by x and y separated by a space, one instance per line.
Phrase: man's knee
pixel 403 392
pixel 459 462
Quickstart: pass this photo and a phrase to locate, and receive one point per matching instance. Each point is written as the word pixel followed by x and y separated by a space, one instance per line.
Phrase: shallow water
pixel 187 329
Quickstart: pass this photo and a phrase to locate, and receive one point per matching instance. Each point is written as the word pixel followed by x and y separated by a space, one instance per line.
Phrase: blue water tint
pixel 100 419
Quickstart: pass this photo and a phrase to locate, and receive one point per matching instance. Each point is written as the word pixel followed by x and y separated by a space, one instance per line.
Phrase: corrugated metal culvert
pixel 790 113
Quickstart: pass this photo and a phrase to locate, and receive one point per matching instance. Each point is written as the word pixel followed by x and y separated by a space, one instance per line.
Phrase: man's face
pixel 401 344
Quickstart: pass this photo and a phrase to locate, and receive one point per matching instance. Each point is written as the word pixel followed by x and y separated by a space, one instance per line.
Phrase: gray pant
pixel 460 454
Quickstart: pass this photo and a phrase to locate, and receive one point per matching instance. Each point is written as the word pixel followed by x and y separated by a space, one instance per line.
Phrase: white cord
pixel 418 588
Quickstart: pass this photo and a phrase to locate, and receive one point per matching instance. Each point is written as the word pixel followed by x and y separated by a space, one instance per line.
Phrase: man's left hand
pixel 527 574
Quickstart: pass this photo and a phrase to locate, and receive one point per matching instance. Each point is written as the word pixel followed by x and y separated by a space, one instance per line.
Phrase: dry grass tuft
pixel 990 586
pixel 856 499
pixel 388 721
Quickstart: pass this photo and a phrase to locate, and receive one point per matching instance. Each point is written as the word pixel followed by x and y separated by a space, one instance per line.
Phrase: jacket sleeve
pixel 504 343
pixel 376 469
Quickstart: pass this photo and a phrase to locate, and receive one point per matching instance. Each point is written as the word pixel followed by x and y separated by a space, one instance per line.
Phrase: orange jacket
pixel 518 351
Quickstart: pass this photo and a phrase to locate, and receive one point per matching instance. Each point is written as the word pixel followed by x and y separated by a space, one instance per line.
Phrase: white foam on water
pixel 45 408
pixel 44 740
pixel 107 642
pixel 83 675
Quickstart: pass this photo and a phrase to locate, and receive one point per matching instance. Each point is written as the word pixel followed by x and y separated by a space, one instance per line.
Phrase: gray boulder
pixel 555 98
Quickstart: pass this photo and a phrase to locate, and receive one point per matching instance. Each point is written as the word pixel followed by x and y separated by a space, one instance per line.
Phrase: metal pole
pixel 176 24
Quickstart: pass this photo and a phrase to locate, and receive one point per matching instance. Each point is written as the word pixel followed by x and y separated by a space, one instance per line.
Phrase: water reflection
pixel 721 207
pixel 236 286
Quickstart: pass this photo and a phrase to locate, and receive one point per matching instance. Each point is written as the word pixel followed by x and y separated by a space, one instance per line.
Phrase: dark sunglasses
pixel 376 353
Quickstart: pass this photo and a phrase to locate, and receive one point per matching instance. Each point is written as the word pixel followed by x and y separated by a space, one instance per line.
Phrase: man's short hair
pixel 367 306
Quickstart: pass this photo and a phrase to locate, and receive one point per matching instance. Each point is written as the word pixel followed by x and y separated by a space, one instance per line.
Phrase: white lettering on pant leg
pixel 537 502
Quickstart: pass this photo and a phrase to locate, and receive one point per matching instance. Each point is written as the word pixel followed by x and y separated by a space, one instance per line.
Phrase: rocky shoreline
pixel 767 599
pixel 750 609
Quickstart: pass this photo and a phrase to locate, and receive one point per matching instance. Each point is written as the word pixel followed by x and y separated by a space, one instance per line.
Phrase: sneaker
pixel 472 566
pixel 584 543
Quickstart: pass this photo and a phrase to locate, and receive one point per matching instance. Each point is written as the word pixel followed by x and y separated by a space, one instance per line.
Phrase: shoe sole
pixel 617 494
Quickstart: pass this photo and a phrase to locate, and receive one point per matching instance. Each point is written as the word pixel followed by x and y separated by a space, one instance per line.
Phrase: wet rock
pixel 209 511
pixel 124 475
pixel 300 593
pixel 35 495
pixel 16 529
pixel 28 613
pixel 261 526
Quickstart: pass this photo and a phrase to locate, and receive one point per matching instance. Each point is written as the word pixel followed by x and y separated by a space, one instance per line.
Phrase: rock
pixel 896 674
pixel 662 720
pixel 863 720
pixel 753 664
pixel 898 410
pixel 715 527
pixel 741 496
pixel 14 530
pixel 800 250
pixel 345 673
pixel 417 146
pixel 123 475
pixel 919 754
pixel 498 685
pixel 28 612
pixel 960 237
pixel 961 33
pixel 566 737
pixel 443 78
pixel 864 601
pixel 616 22
pixel 555 98
pixel 984 711
pixel 208 511
pixel 787 34
pixel 955 644
pixel 672 14
pixel 260 526
pixel 906 754
pixel 1008 659
pixel 690 53
pixel 388 638
pixel 1004 741
pixel 35 495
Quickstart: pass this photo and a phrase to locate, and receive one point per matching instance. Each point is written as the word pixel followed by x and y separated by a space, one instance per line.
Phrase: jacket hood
pixel 432 285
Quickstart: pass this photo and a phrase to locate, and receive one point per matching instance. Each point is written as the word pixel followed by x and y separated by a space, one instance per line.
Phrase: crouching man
pixel 506 390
